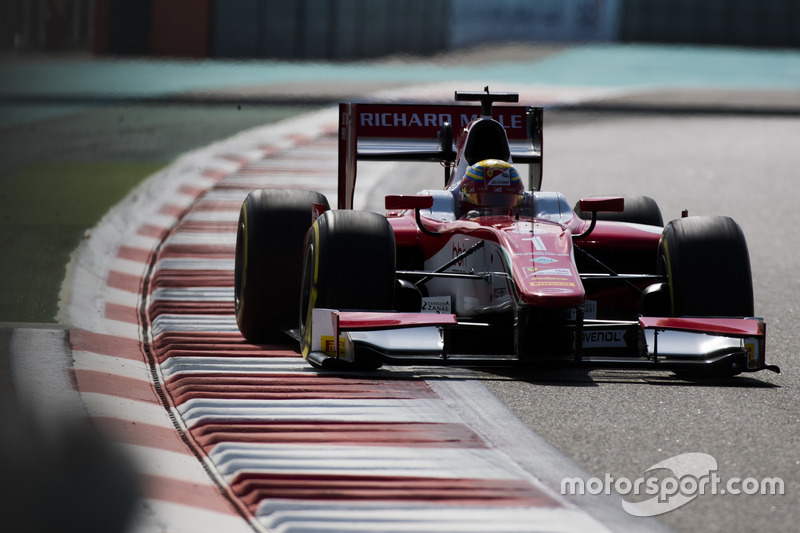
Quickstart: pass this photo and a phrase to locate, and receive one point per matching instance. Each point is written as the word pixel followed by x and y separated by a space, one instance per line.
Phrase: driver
pixel 492 186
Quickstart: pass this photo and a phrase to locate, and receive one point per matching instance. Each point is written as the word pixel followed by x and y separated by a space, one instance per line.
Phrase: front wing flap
pixel 385 332
pixel 709 339
pixel 419 338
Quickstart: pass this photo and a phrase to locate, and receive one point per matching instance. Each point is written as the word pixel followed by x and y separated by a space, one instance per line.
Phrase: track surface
pixel 281 445
pixel 619 423
pixel 623 422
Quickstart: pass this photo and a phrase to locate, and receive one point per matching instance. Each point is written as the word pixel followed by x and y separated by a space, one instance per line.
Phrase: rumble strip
pixel 230 436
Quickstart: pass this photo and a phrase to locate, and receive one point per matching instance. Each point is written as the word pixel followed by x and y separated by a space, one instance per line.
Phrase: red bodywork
pixel 549 285
pixel 413 132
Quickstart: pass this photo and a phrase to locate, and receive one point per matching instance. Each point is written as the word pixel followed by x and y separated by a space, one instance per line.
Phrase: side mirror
pixel 403 201
pixel 415 202
pixel 610 204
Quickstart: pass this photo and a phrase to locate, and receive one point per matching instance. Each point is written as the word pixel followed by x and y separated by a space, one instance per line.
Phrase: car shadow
pixel 584 377
pixel 566 376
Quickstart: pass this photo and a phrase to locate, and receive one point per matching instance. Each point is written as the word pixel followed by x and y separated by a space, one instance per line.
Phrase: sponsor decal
pixel 544 260
pixel 458 249
pixel 503 178
pixel 436 304
pixel 422 120
pixel 429 120
pixel 536 271
pixel 514 122
pixel 553 290
pixel 604 338
pixel 402 119
pixel 553 272
pixel 589 311
pixel 323 338
pixel 540 253
pixel 552 284
pixel 329 346
pixel 752 348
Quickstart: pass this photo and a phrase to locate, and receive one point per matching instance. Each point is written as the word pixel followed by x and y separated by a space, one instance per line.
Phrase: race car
pixel 486 270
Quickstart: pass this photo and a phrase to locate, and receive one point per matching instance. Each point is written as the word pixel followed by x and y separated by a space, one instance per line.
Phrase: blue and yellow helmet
pixel 491 183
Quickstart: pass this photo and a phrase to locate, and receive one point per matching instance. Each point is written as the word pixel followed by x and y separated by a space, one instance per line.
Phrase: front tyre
pixel 269 259
pixel 349 265
pixel 707 265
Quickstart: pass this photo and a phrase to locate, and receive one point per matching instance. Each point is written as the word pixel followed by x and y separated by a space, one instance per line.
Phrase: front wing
pixel 658 343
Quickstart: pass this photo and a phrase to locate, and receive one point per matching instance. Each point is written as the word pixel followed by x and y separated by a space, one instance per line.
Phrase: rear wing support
pixel 413 132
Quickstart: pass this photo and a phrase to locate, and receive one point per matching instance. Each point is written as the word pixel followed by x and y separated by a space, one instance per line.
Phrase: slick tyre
pixel 707 265
pixel 349 265
pixel 638 210
pixel 269 259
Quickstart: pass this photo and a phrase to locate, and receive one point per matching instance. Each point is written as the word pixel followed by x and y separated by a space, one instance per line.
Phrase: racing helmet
pixel 491 183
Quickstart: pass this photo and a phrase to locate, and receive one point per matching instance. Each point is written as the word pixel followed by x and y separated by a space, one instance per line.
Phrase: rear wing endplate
pixel 412 132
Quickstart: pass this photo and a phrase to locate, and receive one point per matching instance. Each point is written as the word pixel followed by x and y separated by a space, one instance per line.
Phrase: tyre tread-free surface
pixel 708 266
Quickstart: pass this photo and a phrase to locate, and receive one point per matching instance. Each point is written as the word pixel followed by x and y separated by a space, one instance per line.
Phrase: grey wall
pixel 328 29
pixel 774 23
pixel 354 29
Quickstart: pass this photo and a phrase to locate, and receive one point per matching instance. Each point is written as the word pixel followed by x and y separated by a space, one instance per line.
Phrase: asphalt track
pixel 653 416
pixel 274 434
pixel 621 423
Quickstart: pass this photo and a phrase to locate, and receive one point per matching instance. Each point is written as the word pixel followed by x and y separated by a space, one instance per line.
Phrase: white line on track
pixel 241 365
pixel 180 263
pixel 284 516
pixel 161 516
pixel 196 411
pixel 107 364
pixel 155 462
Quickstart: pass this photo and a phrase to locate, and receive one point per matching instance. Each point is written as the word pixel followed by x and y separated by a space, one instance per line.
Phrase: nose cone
pixel 543 266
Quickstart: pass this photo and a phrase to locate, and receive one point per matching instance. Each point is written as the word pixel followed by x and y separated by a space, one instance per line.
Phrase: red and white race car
pixel 486 270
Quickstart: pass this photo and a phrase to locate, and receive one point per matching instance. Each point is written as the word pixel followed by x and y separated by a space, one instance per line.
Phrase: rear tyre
pixel 638 210
pixel 269 260
pixel 349 265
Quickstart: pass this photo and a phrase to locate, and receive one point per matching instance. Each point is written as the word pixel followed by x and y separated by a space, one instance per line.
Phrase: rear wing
pixel 414 132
